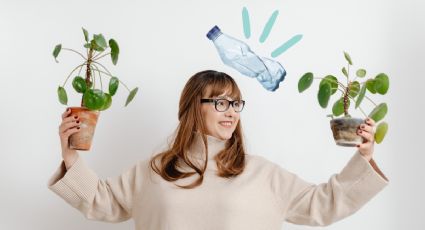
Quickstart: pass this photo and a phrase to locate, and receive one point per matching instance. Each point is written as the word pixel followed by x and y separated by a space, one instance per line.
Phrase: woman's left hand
pixel 367 131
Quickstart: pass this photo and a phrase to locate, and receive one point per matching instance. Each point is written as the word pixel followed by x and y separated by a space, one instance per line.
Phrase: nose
pixel 230 112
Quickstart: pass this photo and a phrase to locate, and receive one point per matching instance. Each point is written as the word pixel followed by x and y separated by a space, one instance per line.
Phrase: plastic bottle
pixel 239 56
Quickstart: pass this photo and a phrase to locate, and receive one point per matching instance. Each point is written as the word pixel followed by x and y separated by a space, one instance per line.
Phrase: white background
pixel 162 44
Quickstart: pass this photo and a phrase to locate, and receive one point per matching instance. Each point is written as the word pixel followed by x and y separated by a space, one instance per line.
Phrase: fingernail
pixel 68 110
pixel 78 122
pixel 358 146
pixel 75 117
pixel 78 127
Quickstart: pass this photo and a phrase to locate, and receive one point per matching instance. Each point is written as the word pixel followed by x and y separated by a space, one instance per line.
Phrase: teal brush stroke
pixel 246 23
pixel 268 27
pixel 285 46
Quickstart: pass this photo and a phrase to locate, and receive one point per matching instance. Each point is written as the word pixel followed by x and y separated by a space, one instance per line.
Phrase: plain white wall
pixel 162 44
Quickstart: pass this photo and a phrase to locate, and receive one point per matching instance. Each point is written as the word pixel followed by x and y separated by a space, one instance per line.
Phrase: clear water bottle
pixel 239 56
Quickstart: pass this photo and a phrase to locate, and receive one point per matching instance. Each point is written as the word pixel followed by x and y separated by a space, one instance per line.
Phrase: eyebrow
pixel 225 97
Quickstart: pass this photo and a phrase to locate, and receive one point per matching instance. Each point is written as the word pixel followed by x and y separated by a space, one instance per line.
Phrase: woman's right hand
pixel 70 124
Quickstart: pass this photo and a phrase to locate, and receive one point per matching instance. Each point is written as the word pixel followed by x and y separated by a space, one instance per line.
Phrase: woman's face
pixel 220 124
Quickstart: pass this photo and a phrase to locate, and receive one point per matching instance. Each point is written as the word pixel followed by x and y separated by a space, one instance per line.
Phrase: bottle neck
pixel 214 33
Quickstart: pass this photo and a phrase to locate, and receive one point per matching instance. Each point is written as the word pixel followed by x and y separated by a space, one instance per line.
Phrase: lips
pixel 226 124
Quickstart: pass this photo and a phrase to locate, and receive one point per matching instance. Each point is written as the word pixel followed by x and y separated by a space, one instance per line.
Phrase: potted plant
pixel 93 99
pixel 352 91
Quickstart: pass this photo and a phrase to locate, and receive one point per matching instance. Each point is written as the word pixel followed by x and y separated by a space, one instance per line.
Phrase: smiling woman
pixel 205 180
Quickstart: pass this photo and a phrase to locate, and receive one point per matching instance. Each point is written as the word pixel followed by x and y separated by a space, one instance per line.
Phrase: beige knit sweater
pixel 262 197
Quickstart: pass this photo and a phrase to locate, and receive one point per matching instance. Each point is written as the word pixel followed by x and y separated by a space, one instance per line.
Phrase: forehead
pixel 227 92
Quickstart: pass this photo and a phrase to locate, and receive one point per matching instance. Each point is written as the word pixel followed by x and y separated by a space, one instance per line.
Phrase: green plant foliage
pixel 63 98
pixel 56 51
pixel 338 107
pixel 370 85
pixel 131 95
pixel 361 73
pixel 115 50
pixel 324 95
pixel 354 88
pixel 305 82
pixel 382 83
pixel 113 85
pixel 381 131
pixel 379 112
pixel 332 80
pixel 79 84
pixel 93 98
pixel 361 96
pixel 348 58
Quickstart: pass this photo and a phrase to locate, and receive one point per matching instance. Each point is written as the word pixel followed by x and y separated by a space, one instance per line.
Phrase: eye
pixel 221 102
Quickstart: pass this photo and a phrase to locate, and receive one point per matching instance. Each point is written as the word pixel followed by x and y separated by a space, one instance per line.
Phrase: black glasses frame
pixel 230 103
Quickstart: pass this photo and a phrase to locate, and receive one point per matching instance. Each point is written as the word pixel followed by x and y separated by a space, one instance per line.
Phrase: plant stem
pixel 88 72
pixel 97 55
pixel 79 71
pixel 75 52
pixel 100 76
pixel 346 95
pixel 102 67
pixel 113 76
pixel 72 72
pixel 97 58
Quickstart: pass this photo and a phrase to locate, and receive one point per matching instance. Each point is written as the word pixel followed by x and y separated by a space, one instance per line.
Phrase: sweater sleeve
pixel 110 200
pixel 320 205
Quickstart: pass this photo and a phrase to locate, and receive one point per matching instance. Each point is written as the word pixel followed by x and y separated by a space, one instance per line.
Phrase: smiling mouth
pixel 226 124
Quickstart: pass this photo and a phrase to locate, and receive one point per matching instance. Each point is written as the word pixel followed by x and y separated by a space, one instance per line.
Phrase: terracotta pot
pixel 88 118
pixel 345 131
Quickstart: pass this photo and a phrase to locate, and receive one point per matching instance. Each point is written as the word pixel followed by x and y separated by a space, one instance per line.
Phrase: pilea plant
pixel 93 100
pixel 92 97
pixel 352 91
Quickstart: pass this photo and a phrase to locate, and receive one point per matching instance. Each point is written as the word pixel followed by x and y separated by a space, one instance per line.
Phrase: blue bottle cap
pixel 214 33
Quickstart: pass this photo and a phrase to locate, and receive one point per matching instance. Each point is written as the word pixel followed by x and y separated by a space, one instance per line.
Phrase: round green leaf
pixel 131 95
pixel 79 84
pixel 100 40
pixel 382 83
pixel 95 46
pixel 113 85
pixel 94 99
pixel 379 112
pixel 115 50
pixel 344 71
pixel 361 96
pixel 370 85
pixel 332 81
pixel 381 131
pixel 86 35
pixel 348 58
pixel 56 51
pixel 305 82
pixel 361 73
pixel 63 98
pixel 324 94
pixel 107 102
pixel 338 107
pixel 354 88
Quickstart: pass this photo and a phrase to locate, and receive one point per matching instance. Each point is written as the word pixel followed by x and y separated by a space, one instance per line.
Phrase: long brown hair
pixel 230 161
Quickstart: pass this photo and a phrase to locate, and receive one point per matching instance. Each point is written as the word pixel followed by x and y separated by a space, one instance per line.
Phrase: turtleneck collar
pixel 215 145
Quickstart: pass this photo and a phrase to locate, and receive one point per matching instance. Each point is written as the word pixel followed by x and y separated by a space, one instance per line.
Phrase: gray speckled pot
pixel 345 131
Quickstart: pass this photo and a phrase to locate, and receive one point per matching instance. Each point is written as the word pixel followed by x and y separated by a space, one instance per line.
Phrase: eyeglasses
pixel 222 105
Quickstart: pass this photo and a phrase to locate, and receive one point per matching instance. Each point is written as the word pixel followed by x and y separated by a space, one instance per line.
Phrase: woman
pixel 205 180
